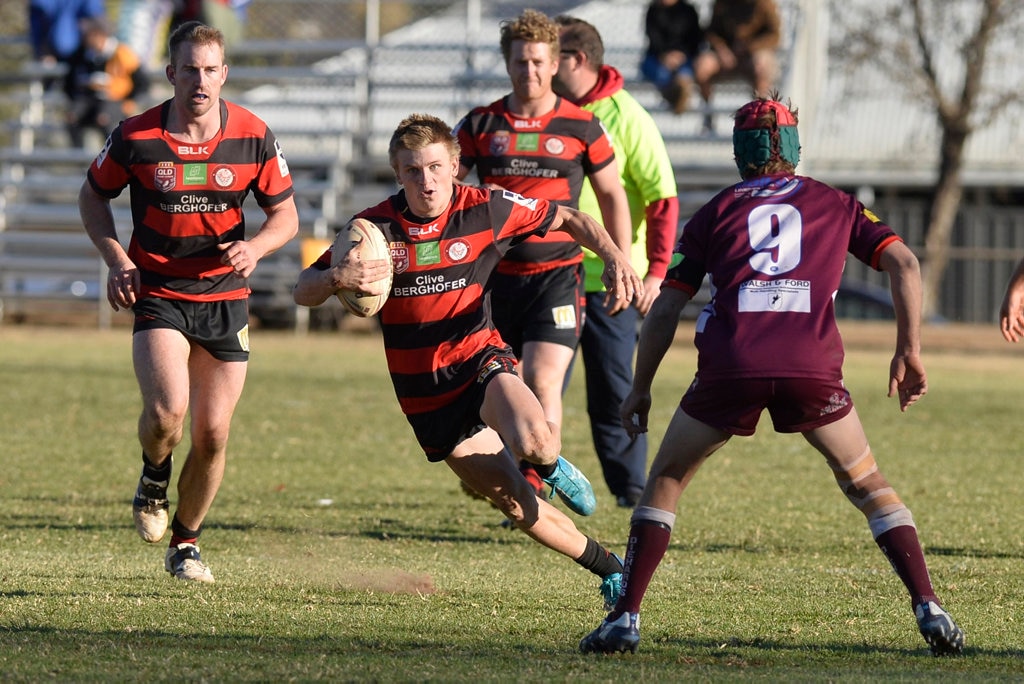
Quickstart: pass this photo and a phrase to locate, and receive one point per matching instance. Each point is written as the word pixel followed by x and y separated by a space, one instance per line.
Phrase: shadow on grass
pixel 954 552
pixel 352 646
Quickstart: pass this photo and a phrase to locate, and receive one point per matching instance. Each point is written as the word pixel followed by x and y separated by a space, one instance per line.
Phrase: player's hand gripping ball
pixel 368 241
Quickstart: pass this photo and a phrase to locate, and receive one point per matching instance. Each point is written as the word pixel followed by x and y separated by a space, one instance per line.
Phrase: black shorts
pixel 794 404
pixel 544 307
pixel 439 432
pixel 221 328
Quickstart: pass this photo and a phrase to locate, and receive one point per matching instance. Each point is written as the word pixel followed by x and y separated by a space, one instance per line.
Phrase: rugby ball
pixel 368 241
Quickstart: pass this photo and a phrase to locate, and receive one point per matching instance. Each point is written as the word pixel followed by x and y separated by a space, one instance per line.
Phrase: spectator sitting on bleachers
pixel 742 38
pixel 54 27
pixel 103 81
pixel 673 35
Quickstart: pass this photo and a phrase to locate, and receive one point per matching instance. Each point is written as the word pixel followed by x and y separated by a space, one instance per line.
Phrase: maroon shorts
pixel 795 404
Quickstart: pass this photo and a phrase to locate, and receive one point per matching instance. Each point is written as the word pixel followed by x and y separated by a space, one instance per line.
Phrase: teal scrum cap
pixel 754 145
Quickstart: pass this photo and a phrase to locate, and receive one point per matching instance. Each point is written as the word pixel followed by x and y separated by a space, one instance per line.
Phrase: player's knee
pixel 209 441
pixel 537 444
pixel 162 421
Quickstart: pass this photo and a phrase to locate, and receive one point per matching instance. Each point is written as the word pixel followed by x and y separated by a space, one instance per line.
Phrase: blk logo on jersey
pixel 425 231
pixel 164 176
pixel 193 151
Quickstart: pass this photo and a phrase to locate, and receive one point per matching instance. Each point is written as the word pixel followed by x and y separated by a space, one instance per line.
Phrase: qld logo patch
pixel 458 250
pixel 164 176
pixel 500 142
pixel 400 256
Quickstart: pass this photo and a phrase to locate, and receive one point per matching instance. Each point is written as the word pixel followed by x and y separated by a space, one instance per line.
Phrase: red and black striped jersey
pixel 437 319
pixel 546 157
pixel 186 198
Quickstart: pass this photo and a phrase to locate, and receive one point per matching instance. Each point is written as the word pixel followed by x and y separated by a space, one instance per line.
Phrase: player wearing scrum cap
pixel 774 246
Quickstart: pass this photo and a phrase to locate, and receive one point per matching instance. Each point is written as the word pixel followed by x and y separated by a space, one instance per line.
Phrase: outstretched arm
pixel 906 372
pixel 656 336
pixel 619 278
pixel 611 197
pixel 1011 313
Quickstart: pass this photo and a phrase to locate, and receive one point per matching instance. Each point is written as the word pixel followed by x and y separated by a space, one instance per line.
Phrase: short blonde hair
pixel 418 131
pixel 530 26
pixel 194 33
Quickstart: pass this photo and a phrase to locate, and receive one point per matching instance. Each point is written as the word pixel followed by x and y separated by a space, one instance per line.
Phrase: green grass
pixel 341 554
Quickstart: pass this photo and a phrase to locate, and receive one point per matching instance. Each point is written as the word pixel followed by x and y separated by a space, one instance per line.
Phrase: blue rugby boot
pixel 939 630
pixel 572 487
pixel 617 636
pixel 611 588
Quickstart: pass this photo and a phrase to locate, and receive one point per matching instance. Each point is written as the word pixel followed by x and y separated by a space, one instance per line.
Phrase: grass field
pixel 342 555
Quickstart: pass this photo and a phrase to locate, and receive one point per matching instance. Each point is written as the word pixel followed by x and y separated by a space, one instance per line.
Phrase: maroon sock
pixel 648 541
pixel 901 546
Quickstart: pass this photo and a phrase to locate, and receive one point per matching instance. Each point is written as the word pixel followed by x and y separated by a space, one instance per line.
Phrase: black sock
pixel 160 473
pixel 180 533
pixel 599 560
pixel 544 471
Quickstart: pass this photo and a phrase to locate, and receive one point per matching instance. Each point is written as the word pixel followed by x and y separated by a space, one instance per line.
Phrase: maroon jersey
pixel 437 318
pixel 187 198
pixel 774 249
pixel 546 157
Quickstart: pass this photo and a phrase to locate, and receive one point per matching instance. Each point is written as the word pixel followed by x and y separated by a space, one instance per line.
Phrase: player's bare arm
pixel 906 372
pixel 656 336
pixel 611 197
pixel 619 278
pixel 281 225
pixel 123 279
pixel 1011 312
pixel 315 285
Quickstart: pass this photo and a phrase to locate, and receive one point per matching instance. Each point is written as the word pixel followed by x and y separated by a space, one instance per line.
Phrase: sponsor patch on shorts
pixel 564 316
